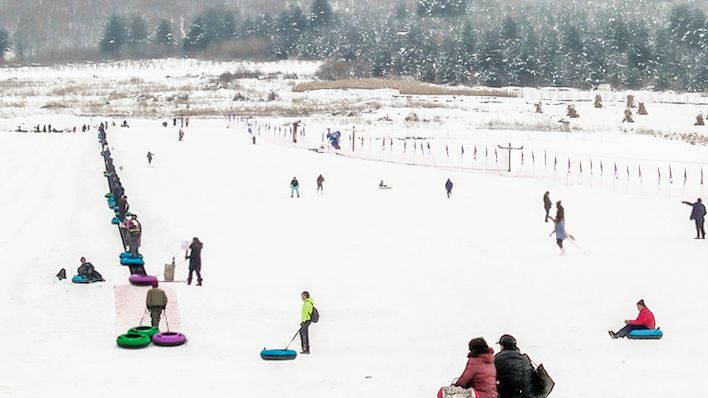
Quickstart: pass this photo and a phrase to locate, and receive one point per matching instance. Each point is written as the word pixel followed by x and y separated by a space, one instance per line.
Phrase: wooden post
pixel 510 148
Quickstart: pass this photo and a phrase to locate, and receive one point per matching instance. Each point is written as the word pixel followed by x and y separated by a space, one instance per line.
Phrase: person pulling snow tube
pixel 84 279
pixel 148 331
pixel 645 334
pixel 278 355
pixel 132 261
pixel 169 339
pixel 133 340
pixel 142 280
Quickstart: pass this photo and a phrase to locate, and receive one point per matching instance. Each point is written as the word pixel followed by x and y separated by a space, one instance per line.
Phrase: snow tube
pixel 84 279
pixel 142 280
pixel 133 340
pixel 128 255
pixel 115 221
pixel 108 195
pixel 278 355
pixel 645 334
pixel 169 339
pixel 132 261
pixel 148 331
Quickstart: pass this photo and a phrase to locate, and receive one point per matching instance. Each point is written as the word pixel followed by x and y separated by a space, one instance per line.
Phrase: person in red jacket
pixel 480 373
pixel 645 320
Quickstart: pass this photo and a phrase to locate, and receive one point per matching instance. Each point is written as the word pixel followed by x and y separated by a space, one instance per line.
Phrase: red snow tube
pixel 142 280
pixel 169 339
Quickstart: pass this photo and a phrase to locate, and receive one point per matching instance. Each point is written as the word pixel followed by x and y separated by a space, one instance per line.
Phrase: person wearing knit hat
pixel 156 302
pixel 479 374
pixel 514 370
pixel 645 320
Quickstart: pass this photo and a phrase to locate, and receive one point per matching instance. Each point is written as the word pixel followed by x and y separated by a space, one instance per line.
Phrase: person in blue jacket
pixel 559 230
pixel 448 188
pixel 698 215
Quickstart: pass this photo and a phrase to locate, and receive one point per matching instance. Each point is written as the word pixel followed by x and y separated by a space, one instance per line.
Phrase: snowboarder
pixel 88 270
pixel 448 188
pixel 480 373
pixel 559 230
pixel 181 135
pixel 150 155
pixel 307 308
pixel 320 181
pixel 156 302
pixel 195 260
pixel 514 370
pixel 547 204
pixel 645 320
pixel 294 187
pixel 698 215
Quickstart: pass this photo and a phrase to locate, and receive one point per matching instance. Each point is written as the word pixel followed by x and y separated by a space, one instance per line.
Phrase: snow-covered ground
pixel 403 278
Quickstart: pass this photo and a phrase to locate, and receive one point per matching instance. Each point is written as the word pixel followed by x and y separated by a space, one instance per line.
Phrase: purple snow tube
pixel 169 339
pixel 142 280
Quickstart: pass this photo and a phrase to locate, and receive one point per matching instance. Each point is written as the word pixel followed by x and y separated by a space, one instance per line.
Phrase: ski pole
pixel 572 240
pixel 293 339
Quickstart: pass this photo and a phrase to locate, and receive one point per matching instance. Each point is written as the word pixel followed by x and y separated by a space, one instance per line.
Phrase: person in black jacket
pixel 698 215
pixel 123 207
pixel 547 204
pixel 514 370
pixel 195 260
pixel 448 188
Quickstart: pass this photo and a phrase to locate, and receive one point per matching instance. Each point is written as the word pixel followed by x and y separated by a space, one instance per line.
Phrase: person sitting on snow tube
pixel 645 320
pixel 480 373
pixel 87 269
pixel 514 370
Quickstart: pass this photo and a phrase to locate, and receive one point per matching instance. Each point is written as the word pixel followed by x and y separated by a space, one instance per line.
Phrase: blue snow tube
pixel 645 334
pixel 83 279
pixel 128 255
pixel 278 355
pixel 132 261
pixel 115 221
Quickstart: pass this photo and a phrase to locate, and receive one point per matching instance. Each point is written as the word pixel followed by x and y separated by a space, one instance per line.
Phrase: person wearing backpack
pixel 309 315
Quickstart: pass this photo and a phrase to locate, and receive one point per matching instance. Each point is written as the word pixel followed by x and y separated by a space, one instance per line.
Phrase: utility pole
pixel 510 148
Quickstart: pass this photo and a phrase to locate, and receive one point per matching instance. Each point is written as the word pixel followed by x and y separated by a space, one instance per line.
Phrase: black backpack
pixel 315 315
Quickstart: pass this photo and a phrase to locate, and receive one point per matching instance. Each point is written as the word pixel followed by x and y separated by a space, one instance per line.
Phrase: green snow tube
pixel 133 340
pixel 148 331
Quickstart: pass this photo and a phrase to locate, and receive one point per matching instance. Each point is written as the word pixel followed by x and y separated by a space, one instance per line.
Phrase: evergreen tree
pixel 4 43
pixel 137 35
pixel 196 38
pixel 441 8
pixel 491 60
pixel 114 35
pixel 322 13
pixel 163 34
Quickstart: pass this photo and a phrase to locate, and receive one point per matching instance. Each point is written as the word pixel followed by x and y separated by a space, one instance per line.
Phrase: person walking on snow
pixel 195 260
pixel 305 321
pixel 181 135
pixel 560 212
pixel 320 181
pixel 294 187
pixel 698 215
pixel 645 320
pixel 150 155
pixel 514 370
pixel 448 188
pixel 480 373
pixel 547 204
pixel 559 230
pixel 156 302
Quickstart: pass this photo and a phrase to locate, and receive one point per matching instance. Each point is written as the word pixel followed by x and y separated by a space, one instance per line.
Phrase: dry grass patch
pixel 405 87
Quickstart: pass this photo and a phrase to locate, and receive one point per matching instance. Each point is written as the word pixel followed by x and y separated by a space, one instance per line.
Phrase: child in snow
pixel 448 188
pixel 645 320
pixel 294 187
pixel 480 373
pixel 150 155
pixel 320 181
pixel 559 230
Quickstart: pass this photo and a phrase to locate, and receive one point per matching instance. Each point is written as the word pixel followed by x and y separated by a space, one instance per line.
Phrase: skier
pixel 514 370
pixel 559 230
pixel 150 155
pixel 698 215
pixel 181 135
pixel 479 373
pixel 294 187
pixel 448 188
pixel 195 260
pixel 308 307
pixel 547 204
pixel 320 181
pixel 645 320
pixel 156 302
pixel 88 270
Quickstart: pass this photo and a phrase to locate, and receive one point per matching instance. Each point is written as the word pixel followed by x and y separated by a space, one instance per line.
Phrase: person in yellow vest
pixel 156 302
pixel 306 320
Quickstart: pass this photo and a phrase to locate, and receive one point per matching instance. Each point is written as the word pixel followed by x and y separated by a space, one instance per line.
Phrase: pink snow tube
pixel 142 280
pixel 169 339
